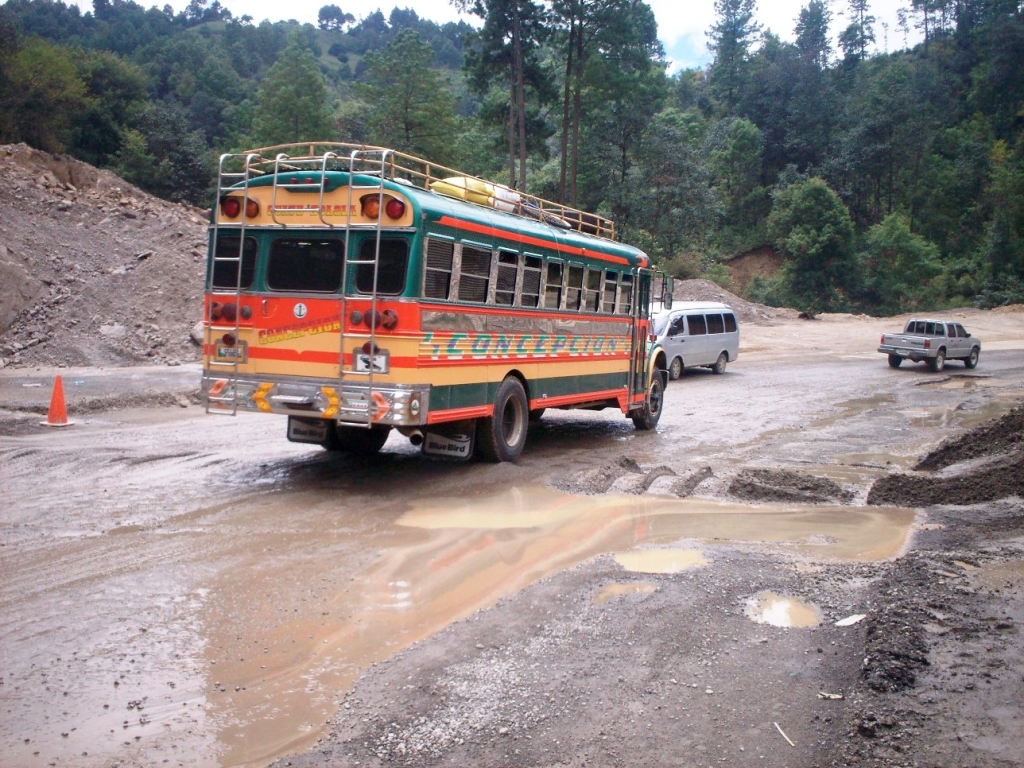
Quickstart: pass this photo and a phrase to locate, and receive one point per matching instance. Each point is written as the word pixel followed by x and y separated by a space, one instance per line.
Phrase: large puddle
pixel 232 634
pixel 451 557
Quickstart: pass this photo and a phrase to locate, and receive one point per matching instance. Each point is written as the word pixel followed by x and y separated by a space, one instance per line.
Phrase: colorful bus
pixel 358 290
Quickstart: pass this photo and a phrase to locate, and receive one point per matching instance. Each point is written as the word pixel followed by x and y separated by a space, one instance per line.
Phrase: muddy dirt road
pixel 184 589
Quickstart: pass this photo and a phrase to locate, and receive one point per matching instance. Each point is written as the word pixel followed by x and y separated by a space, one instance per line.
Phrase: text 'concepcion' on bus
pixel 358 290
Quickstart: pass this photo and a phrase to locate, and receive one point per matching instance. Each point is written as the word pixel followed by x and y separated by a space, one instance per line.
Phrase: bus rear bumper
pixel 390 404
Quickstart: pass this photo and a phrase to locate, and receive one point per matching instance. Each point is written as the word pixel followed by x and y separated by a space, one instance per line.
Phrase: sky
pixel 682 26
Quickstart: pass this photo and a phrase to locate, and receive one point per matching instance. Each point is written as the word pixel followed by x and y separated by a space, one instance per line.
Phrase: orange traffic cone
pixel 58 413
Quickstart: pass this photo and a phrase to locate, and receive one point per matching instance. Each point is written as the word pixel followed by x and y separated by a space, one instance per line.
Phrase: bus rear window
pixel 305 264
pixel 225 266
pixel 391 266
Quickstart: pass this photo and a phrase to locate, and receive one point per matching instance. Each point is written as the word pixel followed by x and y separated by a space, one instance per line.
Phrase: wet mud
pixel 785 485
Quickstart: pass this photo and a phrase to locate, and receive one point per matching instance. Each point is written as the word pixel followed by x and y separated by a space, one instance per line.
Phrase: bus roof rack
pixel 407 169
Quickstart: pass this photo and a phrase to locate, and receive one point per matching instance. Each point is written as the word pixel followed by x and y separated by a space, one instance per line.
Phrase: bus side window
pixel 730 323
pixel 574 289
pixel 392 264
pixel 508 275
pixel 611 285
pixel 715 324
pixel 553 286
pixel 437 277
pixel 592 291
pixel 697 325
pixel 529 295
pixel 626 295
pixel 474 274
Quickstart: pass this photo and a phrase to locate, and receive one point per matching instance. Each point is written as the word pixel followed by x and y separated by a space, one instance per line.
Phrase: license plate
pixel 239 352
pixel 380 363
pixel 903 352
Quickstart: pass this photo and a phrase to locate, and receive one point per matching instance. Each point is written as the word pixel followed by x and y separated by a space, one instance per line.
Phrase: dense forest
pixel 886 180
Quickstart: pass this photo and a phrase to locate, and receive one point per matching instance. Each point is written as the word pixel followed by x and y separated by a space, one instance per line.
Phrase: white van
pixel 697 333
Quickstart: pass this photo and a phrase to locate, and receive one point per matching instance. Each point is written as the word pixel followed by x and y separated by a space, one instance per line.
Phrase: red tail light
pixel 215 310
pixel 231 207
pixel 395 209
pixel 927 344
pixel 252 208
pixel 228 339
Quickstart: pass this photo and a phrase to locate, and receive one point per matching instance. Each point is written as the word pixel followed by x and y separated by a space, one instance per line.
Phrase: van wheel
pixel 501 436
pixel 938 362
pixel 972 359
pixel 357 440
pixel 719 366
pixel 648 416
pixel 894 361
pixel 675 371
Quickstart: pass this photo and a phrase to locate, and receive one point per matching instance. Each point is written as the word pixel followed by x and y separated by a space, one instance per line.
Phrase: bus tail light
pixel 228 339
pixel 231 207
pixel 216 308
pixel 252 208
pixel 395 209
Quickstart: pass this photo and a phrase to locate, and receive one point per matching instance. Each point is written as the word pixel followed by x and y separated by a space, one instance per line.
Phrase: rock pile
pixel 93 271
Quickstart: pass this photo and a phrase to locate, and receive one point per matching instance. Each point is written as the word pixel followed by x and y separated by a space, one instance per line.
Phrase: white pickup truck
pixel 934 341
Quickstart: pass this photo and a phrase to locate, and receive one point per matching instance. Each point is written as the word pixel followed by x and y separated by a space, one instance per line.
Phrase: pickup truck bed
pixel 933 341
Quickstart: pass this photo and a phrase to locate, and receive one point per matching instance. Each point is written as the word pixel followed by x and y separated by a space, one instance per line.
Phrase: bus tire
pixel 648 416
pixel 501 436
pixel 357 440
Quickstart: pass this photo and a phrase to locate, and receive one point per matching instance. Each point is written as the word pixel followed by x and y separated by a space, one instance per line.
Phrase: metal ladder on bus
pixel 355 417
pixel 226 394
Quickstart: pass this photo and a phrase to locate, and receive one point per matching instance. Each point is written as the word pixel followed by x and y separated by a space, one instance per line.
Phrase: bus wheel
pixel 501 437
pixel 648 416
pixel 357 440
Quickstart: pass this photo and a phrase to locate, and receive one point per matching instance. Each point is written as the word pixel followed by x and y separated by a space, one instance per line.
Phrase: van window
pixel 730 323
pixel 697 325
pixel 715 324
pixel 677 326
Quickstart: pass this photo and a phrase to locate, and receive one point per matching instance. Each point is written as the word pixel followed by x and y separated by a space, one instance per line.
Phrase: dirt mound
pixel 760 262
pixel 993 458
pixel 786 486
pixel 746 311
pixel 1003 435
pixel 92 270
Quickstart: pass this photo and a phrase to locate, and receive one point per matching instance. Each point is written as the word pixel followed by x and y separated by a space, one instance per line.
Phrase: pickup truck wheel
pixel 938 362
pixel 719 366
pixel 972 359
pixel 675 370
pixel 894 361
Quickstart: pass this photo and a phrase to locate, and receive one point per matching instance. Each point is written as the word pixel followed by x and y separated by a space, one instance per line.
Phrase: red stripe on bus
pixel 482 229
pixel 583 397
pixel 456 414
pixel 468 361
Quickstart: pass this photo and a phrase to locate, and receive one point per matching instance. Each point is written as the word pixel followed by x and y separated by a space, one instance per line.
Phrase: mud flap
pixel 449 441
pixel 307 430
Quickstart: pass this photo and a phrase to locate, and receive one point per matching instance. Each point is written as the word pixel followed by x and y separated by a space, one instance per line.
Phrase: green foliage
pixel 406 103
pixel 293 103
pixel 41 95
pixel 812 227
pixel 899 267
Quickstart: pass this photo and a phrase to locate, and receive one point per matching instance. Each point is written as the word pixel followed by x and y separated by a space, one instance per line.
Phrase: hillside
pixel 93 271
